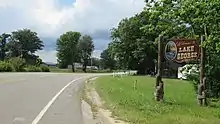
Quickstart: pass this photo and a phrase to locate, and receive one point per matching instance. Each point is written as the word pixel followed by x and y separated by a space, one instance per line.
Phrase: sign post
pixel 201 87
pixel 187 50
pixel 159 93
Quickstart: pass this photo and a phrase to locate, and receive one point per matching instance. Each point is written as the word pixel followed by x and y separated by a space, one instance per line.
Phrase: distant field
pixel 137 106
pixel 52 69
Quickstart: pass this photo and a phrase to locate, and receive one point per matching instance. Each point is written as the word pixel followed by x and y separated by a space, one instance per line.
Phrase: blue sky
pixel 51 18
pixel 66 2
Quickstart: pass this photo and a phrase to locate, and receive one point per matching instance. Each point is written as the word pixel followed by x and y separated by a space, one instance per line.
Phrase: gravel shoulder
pixel 92 107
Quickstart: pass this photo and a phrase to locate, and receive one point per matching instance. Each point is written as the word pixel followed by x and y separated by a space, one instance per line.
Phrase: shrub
pixel 31 68
pixel 212 78
pixel 17 63
pixel 44 68
pixel 5 67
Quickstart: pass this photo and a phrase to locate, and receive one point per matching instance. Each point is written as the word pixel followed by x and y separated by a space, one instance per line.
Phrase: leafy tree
pixel 202 18
pixel 24 43
pixel 107 61
pixel 86 48
pixel 3 39
pixel 67 49
pixel 132 47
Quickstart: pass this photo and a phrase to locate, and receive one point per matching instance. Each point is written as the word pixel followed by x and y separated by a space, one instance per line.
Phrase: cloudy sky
pixel 50 18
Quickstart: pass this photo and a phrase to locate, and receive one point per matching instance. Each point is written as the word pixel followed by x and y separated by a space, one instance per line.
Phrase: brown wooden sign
pixel 182 50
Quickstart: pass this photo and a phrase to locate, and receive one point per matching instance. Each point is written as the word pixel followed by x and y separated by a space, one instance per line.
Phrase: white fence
pixel 125 73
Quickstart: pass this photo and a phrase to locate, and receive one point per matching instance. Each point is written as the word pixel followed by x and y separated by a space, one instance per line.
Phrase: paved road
pixel 40 98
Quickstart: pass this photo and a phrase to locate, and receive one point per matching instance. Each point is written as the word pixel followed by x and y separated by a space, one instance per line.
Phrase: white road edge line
pixel 41 114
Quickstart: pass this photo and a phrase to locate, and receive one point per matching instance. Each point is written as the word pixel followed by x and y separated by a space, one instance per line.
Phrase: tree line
pixel 134 40
pixel 18 48
pixel 17 51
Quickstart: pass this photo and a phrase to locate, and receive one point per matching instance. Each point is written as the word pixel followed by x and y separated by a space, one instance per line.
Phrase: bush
pixel 5 67
pixel 17 63
pixel 31 68
pixel 212 82
pixel 44 68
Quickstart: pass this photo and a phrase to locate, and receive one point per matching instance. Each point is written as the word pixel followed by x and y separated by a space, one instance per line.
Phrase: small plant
pixel 18 63
pixel 44 68
pixel 5 67
pixel 31 68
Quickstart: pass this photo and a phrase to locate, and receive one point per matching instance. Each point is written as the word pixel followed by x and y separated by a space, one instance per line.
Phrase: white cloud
pixel 49 20
pixel 48 56
pixel 96 53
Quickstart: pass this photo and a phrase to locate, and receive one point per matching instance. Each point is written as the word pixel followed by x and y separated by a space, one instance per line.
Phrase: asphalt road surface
pixel 41 98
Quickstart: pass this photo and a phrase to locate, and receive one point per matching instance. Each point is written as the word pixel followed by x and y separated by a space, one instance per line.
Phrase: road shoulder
pixel 92 107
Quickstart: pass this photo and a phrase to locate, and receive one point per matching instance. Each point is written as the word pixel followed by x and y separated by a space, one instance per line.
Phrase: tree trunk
pixel 85 63
pixel 73 67
pixel 3 50
pixel 84 68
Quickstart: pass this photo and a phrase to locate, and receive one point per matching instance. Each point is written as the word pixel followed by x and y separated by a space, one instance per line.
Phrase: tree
pixel 24 43
pixel 67 49
pixel 3 39
pixel 107 61
pixel 86 48
pixel 131 46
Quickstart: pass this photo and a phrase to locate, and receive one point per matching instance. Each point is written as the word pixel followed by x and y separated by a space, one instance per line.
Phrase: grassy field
pixel 52 69
pixel 136 104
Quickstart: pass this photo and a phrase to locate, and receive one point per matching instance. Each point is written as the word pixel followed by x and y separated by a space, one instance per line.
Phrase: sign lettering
pixel 182 50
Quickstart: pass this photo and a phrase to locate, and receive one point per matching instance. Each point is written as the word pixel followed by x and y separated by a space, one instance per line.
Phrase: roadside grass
pixel 87 98
pixel 135 103
pixel 58 70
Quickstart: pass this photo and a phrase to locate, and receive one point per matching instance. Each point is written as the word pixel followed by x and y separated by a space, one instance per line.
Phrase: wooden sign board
pixel 182 50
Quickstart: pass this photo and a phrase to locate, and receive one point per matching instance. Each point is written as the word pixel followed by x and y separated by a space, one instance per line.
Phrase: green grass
pixel 137 105
pixel 53 69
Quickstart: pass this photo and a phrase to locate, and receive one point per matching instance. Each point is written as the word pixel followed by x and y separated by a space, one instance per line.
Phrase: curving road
pixel 41 98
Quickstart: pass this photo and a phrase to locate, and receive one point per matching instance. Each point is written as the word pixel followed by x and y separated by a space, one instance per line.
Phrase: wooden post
pixel 201 87
pixel 159 83
pixel 159 55
pixel 202 61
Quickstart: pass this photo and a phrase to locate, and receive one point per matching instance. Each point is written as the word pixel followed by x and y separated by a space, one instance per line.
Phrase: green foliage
pixel 32 68
pixel 45 68
pixel 67 48
pixel 130 98
pixel 202 18
pixel 131 46
pixel 5 67
pixel 24 43
pixel 107 61
pixel 3 43
pixel 212 72
pixel 17 63
pixel 85 50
